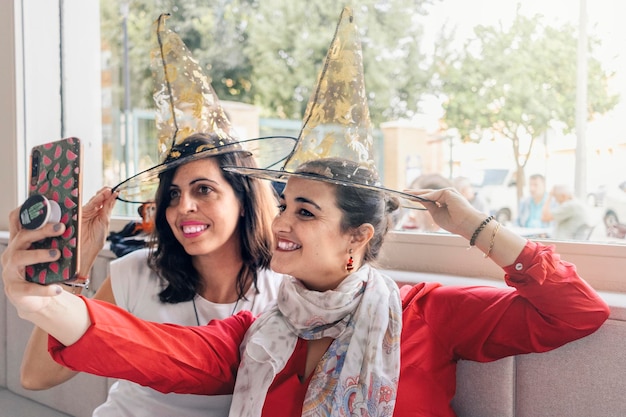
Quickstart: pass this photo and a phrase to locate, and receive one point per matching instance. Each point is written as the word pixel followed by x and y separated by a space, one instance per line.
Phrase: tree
pixel 289 40
pixel 269 52
pixel 214 34
pixel 516 83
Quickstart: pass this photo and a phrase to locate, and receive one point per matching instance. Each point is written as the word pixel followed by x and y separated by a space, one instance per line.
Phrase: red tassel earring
pixel 349 265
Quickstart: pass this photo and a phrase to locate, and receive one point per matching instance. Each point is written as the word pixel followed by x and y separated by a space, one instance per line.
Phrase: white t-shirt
pixel 136 288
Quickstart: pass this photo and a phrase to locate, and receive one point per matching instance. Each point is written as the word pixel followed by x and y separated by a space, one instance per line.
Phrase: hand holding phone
pixel 55 196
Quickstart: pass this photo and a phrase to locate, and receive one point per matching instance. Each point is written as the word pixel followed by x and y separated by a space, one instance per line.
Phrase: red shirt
pixel 549 306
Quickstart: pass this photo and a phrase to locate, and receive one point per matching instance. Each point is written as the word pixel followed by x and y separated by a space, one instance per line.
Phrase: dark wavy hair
pixel 258 201
pixel 358 205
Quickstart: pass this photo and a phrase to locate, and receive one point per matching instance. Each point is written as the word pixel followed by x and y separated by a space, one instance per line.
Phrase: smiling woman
pixel 89 101
pixel 211 242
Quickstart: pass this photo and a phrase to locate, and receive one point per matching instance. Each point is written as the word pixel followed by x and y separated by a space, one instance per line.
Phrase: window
pixel 415 71
pixel 464 117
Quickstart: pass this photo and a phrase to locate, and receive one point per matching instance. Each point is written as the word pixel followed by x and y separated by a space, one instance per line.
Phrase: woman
pixel 212 247
pixel 334 341
pixel 422 221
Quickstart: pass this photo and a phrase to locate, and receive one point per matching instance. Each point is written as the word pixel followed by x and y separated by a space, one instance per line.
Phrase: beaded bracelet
pixel 479 229
pixel 493 240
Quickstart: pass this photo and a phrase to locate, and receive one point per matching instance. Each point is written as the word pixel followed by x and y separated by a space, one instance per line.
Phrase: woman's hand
pixel 27 297
pixel 454 213
pixel 55 311
pixel 96 218
pixel 451 211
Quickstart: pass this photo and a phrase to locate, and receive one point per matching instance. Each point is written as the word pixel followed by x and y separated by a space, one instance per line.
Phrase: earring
pixel 349 266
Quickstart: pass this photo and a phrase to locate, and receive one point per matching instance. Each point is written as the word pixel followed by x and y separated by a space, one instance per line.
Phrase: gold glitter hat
pixel 337 120
pixel 187 104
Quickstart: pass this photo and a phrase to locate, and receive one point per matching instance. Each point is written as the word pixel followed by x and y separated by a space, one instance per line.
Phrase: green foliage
pixel 289 40
pixel 270 52
pixel 517 81
pixel 213 32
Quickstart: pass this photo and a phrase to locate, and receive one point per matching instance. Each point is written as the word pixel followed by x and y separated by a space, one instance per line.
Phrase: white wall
pixel 8 112
pixel 82 97
pixel 37 104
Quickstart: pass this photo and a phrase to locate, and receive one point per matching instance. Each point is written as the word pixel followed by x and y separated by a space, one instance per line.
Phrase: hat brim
pixel 269 151
pixel 406 200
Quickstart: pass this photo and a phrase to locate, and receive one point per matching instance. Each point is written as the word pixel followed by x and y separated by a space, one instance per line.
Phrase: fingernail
pixel 58 290
pixel 57 227
pixel 53 253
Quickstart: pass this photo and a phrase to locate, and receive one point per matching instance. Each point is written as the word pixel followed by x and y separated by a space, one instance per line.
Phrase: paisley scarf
pixel 358 375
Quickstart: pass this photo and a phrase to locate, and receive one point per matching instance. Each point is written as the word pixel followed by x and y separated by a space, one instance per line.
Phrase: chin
pixel 277 267
pixel 197 249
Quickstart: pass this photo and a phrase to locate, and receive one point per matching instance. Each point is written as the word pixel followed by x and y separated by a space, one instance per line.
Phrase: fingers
pixel 432 195
pixel 14 222
pixel 19 248
pixel 24 237
pixel 110 202
pixel 103 200
pixel 22 258
pixel 30 289
pixel 97 201
pixel 18 255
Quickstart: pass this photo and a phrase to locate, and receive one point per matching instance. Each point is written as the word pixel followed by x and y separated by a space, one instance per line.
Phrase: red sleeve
pixel 548 306
pixel 165 357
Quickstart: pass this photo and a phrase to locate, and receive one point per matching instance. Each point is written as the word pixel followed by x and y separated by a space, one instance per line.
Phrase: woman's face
pixel 204 212
pixel 309 243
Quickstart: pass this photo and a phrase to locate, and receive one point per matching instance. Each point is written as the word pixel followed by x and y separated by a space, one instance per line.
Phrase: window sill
pixel 602 265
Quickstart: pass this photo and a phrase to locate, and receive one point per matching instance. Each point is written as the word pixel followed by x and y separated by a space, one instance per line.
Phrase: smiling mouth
pixel 284 245
pixel 194 229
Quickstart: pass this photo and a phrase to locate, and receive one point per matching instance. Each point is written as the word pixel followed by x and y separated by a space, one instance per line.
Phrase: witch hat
pixel 187 104
pixel 337 120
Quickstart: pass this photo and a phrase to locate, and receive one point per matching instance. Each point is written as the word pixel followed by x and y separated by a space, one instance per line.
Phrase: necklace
pixel 195 309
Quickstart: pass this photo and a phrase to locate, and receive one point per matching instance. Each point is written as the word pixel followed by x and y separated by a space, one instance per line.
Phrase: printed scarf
pixel 358 375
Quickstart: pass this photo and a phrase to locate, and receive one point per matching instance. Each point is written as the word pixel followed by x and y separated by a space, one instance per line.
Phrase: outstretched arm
pixel 551 305
pixel 38 370
pixel 55 311
pixel 162 356
pixel 200 360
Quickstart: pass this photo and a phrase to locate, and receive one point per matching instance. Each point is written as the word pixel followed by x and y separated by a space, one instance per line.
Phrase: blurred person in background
pixel 530 208
pixel 467 190
pixel 571 217
pixel 421 220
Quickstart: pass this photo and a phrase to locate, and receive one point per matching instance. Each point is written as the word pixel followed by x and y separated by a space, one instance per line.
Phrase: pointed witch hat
pixel 187 104
pixel 337 121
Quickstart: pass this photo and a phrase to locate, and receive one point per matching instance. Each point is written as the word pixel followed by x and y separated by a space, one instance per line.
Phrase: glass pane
pixel 485 90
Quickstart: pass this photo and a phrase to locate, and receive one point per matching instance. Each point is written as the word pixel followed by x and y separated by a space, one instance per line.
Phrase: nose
pixel 186 203
pixel 281 223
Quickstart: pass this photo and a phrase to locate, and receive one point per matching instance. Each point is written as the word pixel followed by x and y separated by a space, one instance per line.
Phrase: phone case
pixel 55 172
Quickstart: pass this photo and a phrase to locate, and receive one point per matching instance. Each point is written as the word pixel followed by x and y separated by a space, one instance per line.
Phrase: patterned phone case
pixel 55 172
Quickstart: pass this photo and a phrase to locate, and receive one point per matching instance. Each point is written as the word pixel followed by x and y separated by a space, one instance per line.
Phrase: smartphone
pixel 55 173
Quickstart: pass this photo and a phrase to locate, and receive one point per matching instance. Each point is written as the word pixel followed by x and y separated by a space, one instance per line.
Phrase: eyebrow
pixel 303 200
pixel 196 180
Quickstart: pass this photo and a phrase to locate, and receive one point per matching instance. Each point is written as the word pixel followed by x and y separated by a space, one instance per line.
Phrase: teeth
pixel 194 228
pixel 288 245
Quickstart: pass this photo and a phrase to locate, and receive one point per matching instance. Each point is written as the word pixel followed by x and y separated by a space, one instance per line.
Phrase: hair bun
pixel 392 203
